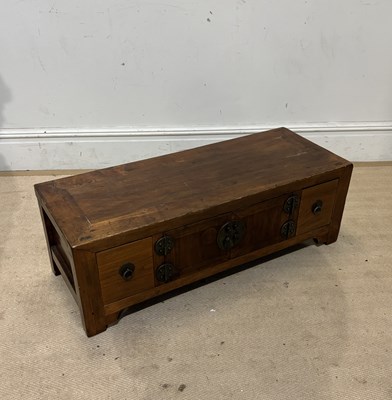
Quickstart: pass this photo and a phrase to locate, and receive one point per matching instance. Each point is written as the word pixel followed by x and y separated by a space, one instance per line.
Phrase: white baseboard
pixel 39 149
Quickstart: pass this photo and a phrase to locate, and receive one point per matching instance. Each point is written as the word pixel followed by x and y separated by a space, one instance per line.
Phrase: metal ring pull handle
pixel 126 271
pixel 317 207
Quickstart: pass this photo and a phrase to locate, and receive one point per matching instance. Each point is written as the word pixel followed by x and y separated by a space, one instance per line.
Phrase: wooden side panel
pixel 340 201
pixel 88 292
pixel 49 236
pixel 60 253
pixel 113 286
pixel 323 194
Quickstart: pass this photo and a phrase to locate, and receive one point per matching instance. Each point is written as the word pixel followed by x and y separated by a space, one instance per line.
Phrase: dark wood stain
pixel 98 221
pixel 134 196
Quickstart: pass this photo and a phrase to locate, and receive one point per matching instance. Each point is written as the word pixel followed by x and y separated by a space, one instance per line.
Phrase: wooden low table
pixel 122 235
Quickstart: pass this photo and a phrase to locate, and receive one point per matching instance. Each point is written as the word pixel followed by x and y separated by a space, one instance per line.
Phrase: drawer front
pixel 126 270
pixel 316 207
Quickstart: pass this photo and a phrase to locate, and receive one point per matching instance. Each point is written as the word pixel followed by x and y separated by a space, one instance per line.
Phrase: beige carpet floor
pixel 314 323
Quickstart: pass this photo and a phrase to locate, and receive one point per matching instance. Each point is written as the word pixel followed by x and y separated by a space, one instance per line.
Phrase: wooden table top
pixel 141 195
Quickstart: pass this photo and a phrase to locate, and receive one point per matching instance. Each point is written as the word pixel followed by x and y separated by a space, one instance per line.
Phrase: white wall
pixel 91 83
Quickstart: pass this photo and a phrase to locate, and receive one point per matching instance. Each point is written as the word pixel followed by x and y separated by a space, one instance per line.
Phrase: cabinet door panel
pixel 195 246
pixel 263 224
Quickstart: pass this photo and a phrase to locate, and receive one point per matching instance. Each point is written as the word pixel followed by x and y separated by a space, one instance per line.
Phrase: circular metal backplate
pixel 291 204
pixel 288 229
pixel 230 234
pixel 165 272
pixel 164 245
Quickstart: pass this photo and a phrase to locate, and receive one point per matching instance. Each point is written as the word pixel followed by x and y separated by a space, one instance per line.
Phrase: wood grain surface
pixel 100 222
pixel 130 201
pixel 138 253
